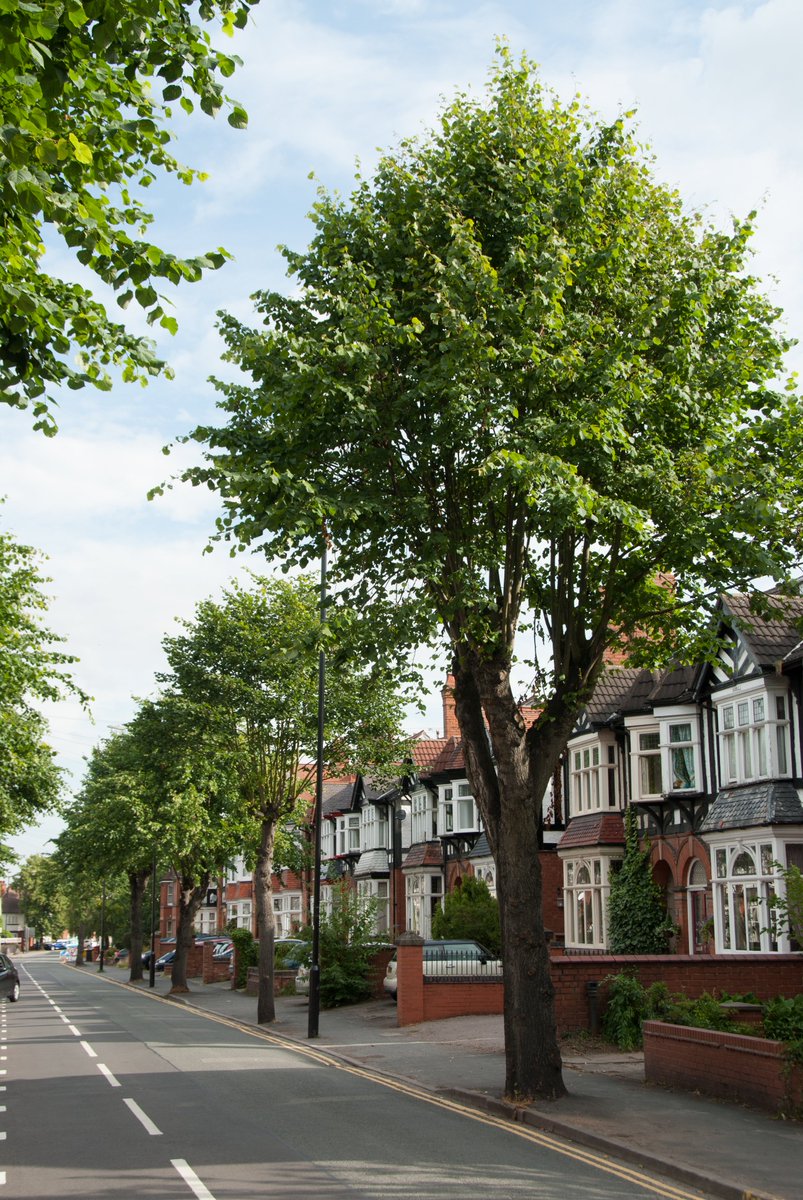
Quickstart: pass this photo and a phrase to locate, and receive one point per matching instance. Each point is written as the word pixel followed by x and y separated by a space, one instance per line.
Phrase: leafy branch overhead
pixel 87 90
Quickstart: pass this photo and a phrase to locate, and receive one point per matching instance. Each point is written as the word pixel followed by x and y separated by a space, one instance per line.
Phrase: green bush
pixel 627 1008
pixel 246 954
pixel 347 945
pixel 470 911
pixel 629 1004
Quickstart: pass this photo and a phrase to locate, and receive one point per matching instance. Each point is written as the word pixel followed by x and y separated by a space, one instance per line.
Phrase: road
pixel 109 1092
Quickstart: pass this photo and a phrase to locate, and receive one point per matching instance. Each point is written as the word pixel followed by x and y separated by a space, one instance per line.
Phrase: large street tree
pixel 247 666
pixel 34 669
pixel 86 88
pixel 39 882
pixel 517 378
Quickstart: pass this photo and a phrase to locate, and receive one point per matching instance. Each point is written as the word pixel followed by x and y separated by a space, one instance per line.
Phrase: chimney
pixel 450 725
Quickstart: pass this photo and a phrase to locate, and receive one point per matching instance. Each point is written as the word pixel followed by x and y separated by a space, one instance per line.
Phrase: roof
pixel 594 829
pixel 426 750
pixel 424 854
pixel 482 849
pixel 451 758
pixel 771 803
pixel 337 796
pixel 371 862
pixel 770 638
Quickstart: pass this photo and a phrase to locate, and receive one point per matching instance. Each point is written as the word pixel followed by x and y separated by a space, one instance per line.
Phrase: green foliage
pixel 787 908
pixel 627 1008
pixel 87 88
pixel 512 373
pixel 637 919
pixel 348 937
pixel 42 897
pixel 470 911
pixel 246 954
pixel 33 669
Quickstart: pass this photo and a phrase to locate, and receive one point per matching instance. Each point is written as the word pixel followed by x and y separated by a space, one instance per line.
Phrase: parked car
pixel 9 979
pixel 450 957
pixel 165 960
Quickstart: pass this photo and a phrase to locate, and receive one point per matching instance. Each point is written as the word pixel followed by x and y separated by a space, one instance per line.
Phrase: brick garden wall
pixel 749 1070
pixel 766 975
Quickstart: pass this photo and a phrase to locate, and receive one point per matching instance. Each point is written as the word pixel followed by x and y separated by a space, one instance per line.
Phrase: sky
pixel 717 91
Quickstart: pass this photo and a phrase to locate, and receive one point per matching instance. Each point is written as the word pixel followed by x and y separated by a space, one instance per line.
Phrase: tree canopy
pixel 33 669
pixel 87 88
pixel 516 376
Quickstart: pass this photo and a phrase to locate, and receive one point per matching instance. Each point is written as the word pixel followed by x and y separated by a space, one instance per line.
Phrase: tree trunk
pixel 266 928
pixel 137 881
pixel 191 897
pixel 509 785
pixel 79 952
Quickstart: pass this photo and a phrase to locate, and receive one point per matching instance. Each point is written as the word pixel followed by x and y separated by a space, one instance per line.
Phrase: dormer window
pixel 459 813
pixel 592 776
pixel 666 756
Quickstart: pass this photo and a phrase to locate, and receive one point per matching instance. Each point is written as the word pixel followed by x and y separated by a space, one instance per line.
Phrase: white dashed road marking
pixel 143 1118
pixel 186 1172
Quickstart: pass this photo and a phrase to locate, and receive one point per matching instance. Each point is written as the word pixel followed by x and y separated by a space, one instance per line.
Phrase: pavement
pixel 720 1149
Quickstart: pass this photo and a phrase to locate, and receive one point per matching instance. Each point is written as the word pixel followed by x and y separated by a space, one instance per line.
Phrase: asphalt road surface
pixel 107 1092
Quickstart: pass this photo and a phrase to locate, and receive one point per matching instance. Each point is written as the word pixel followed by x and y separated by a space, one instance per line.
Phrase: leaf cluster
pixel 638 922
pixel 86 89
pixel 470 911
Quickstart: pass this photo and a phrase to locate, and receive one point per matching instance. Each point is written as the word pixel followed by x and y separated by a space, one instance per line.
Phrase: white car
pixel 447 958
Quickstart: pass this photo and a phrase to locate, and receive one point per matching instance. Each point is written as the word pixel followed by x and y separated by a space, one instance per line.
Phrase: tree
pixel 33 669
pixel 470 911
pixel 517 380
pixel 111 829
pixel 86 90
pixel 187 769
pixel 248 666
pixel 42 899
pixel 638 922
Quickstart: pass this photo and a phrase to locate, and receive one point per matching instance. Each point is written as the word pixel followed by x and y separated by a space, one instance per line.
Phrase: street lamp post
pixel 315 964
pixel 152 961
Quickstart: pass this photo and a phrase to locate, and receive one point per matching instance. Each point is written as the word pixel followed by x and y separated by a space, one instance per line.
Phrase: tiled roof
pixel 451 758
pixel 371 862
pixel 623 690
pixel 482 848
pixel 612 691
pixel 771 803
pixel 424 854
pixel 337 795
pixel 425 750
pixel 770 639
pixel 594 829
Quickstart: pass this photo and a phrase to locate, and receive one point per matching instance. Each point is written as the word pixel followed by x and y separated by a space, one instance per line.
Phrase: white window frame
pixel 286 912
pixel 423 816
pixel 673 740
pixel 743 921
pixel 586 889
pixel 423 894
pixel 377 890
pixel 374 834
pixel 753 734
pixel 347 834
pixel 457 809
pixel 592 775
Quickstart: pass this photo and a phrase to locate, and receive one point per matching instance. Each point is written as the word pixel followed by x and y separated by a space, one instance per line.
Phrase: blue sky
pixel 717 88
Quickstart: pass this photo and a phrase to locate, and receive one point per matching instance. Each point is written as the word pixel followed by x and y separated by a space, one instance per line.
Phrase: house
pixel 710 757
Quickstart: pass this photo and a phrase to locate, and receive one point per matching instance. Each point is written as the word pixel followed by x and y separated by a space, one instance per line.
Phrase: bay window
pixel 754 737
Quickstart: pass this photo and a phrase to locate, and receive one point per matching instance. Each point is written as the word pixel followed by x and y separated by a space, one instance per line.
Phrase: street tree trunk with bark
pixel 191 895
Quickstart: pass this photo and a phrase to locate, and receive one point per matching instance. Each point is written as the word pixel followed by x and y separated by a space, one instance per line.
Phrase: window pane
pixel 650 769
pixel 780 738
pixel 649 741
pixel 758 709
pixel 721 863
pixel 744 864
pixel 680 733
pixel 743 710
pixel 780 708
pixel 727 717
pixel 767 859
pixel 683 769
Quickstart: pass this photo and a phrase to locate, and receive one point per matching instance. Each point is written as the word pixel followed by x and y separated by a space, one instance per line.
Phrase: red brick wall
pixel 552 891
pixel 766 975
pixel 732 1066
pixel 215 970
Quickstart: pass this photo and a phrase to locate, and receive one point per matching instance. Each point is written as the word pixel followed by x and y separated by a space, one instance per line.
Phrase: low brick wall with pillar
pixel 215 970
pixel 410 979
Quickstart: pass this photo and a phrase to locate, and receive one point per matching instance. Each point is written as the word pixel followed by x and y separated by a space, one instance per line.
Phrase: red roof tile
pixel 424 854
pixel 594 829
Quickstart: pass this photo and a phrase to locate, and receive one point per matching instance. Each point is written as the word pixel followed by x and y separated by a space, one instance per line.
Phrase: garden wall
pixel 731 1066
pixel 766 975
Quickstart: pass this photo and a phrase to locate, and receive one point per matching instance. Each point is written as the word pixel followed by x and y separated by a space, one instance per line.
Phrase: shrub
pixel 470 911
pixel 246 954
pixel 627 1008
pixel 347 944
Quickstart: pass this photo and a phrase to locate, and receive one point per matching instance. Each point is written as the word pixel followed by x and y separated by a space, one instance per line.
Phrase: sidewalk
pixel 718 1148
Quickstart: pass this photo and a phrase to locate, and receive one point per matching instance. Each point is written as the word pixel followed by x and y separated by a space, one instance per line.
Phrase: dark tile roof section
pixel 594 829
pixel 482 849
pixel 770 639
pixel 423 854
pixel 627 690
pixel 337 796
pixel 771 803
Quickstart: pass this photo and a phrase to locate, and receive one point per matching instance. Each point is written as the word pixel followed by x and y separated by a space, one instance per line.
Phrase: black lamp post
pixel 152 960
pixel 315 963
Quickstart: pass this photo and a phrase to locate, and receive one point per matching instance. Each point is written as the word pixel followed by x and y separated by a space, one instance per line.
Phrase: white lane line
pixel 2 1108
pixel 66 1020
pixel 191 1179
pixel 89 1049
pixel 2 1136
pixel 143 1118
pixel 104 1070
pixel 72 1029
pixel 2 1178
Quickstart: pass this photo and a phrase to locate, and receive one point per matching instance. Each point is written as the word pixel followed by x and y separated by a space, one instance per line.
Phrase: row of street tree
pixel 514 376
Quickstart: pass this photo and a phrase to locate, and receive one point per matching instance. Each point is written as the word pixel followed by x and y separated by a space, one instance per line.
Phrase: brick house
pixel 710 757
